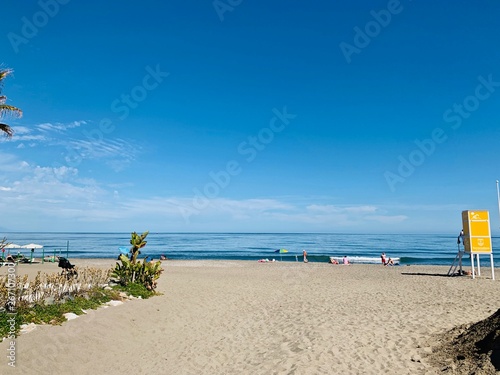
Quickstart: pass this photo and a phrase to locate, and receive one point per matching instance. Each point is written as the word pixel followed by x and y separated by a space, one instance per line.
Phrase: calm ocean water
pixel 359 248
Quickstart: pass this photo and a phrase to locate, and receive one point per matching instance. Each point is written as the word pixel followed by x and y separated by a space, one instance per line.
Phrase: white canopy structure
pixel 32 246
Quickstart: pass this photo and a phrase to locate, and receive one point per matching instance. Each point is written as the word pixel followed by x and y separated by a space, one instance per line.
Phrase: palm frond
pixel 6 129
pixel 4 73
pixel 10 110
pixel 6 109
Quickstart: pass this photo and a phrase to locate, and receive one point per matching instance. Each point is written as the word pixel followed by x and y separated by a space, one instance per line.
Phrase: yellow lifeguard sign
pixel 477 237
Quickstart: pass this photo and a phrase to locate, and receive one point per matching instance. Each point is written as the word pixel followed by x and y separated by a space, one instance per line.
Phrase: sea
pixel 406 249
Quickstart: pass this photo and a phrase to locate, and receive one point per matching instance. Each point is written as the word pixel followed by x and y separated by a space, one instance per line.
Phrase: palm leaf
pixel 11 110
pixel 5 108
pixel 6 129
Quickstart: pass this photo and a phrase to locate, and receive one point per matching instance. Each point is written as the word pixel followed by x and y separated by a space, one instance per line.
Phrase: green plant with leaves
pixel 135 290
pixel 124 272
pixel 149 273
pixel 6 109
pixel 138 242
pixel 134 271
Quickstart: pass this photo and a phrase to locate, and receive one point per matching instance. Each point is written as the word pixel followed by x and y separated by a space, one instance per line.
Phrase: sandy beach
pixel 239 317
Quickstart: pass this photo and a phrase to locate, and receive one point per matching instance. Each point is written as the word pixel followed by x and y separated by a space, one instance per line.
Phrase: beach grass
pixel 54 312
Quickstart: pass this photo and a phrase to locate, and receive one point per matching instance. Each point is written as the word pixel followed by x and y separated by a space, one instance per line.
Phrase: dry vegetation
pixel 49 288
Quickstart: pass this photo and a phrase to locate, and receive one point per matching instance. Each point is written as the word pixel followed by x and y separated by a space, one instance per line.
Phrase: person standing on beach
pixel 461 239
pixel 304 254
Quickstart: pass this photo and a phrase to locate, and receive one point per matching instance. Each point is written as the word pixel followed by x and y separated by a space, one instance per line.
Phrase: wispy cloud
pixel 387 219
pixel 104 148
pixel 58 198
pixel 331 209
pixel 74 138
pixel 58 127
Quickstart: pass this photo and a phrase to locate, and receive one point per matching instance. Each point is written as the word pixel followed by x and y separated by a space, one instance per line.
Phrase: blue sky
pixel 250 116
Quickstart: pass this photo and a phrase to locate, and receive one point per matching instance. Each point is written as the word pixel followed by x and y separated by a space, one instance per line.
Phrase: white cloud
pixel 11 164
pixel 57 198
pixel 77 141
pixel 48 173
pixel 388 219
pixel 58 127
pixel 21 130
pixel 331 209
pixel 104 148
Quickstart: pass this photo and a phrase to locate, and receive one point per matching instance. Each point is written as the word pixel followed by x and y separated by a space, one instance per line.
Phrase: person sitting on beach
pixel 390 262
pixel 346 261
pixel 333 261
pixel 163 257
pixel 49 258
pixel 383 258
pixel 10 258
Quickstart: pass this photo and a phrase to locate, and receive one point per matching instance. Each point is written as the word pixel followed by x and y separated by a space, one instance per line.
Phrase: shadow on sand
pixel 429 274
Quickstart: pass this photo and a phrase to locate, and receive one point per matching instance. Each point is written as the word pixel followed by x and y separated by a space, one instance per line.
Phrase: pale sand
pixel 235 317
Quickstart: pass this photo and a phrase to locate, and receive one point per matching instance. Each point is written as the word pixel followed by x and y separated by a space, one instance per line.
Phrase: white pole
pixel 472 264
pixel 478 266
pixel 492 268
pixel 498 199
pixel 491 254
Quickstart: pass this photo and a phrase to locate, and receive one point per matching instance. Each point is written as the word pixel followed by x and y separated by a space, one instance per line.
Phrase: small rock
pixel 26 328
pixel 70 316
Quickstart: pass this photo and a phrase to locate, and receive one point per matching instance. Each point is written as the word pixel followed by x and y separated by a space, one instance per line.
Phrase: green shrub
pixel 136 290
pixel 134 271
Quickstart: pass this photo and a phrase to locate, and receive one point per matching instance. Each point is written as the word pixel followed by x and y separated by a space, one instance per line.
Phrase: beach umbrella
pixel 281 251
pixel 124 250
pixel 12 246
pixel 32 246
